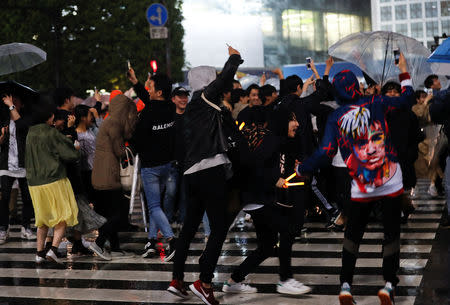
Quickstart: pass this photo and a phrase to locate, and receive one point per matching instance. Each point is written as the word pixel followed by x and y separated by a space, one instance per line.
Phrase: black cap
pixel 180 91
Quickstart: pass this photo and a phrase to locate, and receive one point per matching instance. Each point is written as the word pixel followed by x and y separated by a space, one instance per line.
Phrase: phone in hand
pixel 308 63
pixel 396 56
pixel 128 64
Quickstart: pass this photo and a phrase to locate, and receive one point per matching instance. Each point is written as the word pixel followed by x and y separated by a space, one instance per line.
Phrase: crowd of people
pixel 313 148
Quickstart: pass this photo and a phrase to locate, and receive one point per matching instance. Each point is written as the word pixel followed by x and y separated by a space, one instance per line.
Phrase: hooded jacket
pixel 204 134
pixel 110 144
pixel 359 129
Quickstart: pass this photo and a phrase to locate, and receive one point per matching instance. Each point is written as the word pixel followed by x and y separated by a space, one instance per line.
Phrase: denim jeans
pixel 155 180
pixel 447 184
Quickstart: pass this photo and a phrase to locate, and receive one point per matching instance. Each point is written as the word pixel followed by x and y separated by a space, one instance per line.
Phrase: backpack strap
pixel 210 103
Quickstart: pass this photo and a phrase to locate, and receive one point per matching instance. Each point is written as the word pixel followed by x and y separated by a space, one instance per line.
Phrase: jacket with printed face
pixel 110 143
pixel 359 129
pixel 154 137
pixel 203 134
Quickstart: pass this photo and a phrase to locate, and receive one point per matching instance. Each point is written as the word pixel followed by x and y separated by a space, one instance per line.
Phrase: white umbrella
pixel 16 56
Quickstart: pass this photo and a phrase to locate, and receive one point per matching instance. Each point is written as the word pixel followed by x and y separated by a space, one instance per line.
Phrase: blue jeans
pixel 155 180
pixel 447 184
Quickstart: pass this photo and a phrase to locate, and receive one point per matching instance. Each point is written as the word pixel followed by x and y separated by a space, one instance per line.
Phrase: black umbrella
pixel 26 94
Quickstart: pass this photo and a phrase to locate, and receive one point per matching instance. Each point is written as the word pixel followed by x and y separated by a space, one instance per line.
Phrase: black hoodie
pixel 260 151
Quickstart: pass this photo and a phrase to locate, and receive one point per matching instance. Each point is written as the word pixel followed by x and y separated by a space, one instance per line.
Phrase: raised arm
pixel 406 100
pixel 214 90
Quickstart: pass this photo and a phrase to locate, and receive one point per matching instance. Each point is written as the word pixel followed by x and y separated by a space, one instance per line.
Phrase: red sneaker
pixel 176 287
pixel 205 294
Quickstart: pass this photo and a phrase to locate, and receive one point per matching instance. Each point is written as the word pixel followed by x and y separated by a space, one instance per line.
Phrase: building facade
pixel 421 20
pixel 270 33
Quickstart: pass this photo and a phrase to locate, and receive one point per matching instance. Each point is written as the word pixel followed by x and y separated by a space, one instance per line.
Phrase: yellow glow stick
pixel 242 126
pixel 291 176
pixel 295 184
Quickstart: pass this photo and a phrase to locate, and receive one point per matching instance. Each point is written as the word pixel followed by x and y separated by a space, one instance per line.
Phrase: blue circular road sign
pixel 157 14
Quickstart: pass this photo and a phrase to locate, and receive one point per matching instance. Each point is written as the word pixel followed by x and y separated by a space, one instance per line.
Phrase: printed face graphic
pixel 370 148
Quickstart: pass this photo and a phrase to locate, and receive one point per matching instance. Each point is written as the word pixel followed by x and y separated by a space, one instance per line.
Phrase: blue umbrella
pixel 440 59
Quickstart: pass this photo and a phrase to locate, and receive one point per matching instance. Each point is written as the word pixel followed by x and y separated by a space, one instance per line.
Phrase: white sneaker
pixel 122 254
pixel 238 288
pixel 99 251
pixel 51 256
pixel 4 236
pixel 26 233
pixel 292 287
pixel 432 191
pixel 39 259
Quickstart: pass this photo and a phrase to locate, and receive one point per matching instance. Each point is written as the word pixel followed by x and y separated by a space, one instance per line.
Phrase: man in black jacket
pixel 12 166
pixel 440 114
pixel 154 141
pixel 207 169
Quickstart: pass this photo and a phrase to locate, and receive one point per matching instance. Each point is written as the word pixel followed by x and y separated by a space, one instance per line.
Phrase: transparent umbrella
pixel 16 56
pixel 373 52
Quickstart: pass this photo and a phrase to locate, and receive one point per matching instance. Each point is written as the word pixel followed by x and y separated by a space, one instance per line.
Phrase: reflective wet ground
pixel 424 270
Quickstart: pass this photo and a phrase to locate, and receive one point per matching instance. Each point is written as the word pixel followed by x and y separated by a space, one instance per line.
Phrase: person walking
pixel 261 154
pixel 154 141
pixel 359 129
pixel 12 166
pixel 47 152
pixel 109 197
pixel 207 170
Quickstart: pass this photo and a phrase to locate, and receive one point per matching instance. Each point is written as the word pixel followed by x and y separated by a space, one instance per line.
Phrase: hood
pixel 200 77
pixel 346 88
pixel 123 111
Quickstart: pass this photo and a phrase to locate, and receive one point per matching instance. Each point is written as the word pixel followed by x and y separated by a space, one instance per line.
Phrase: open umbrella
pixel 440 59
pixel 26 94
pixel 16 56
pixel 373 52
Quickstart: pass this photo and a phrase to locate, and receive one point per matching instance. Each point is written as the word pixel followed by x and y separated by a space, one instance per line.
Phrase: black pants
pixel 343 185
pixel 110 204
pixel 270 221
pixel 27 210
pixel 357 220
pixel 207 191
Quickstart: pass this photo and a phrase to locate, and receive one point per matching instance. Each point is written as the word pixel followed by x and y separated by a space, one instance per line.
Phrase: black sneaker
pixel 446 223
pixel 170 250
pixel 149 249
pixel 79 249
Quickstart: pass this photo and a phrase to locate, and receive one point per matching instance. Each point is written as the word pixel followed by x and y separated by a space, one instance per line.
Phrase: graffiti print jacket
pixel 360 131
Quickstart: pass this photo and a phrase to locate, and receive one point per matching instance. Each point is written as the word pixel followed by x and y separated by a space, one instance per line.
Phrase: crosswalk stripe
pixel 316 262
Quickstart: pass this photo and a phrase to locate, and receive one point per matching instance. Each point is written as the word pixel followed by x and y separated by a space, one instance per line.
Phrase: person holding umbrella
pixel 12 165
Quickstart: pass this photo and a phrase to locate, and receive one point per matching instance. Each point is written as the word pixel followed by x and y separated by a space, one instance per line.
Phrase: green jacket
pixel 45 154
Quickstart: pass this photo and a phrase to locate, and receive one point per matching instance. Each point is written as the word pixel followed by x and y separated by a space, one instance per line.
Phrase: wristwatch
pixel 12 107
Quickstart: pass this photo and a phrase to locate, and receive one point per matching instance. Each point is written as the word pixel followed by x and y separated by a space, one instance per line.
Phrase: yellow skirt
pixel 54 203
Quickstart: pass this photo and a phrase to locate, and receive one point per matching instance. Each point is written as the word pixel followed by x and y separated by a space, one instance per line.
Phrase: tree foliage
pixel 89 42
